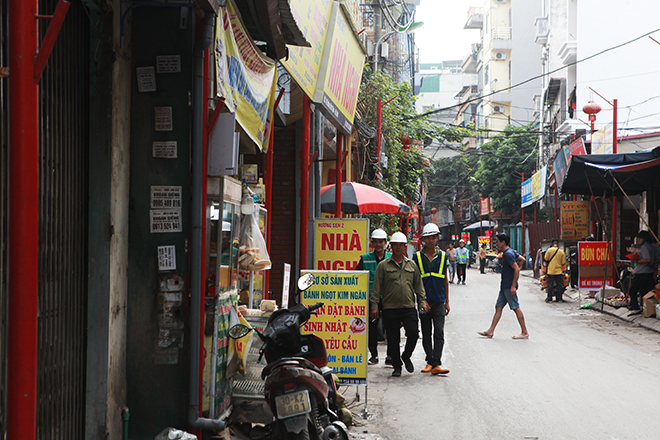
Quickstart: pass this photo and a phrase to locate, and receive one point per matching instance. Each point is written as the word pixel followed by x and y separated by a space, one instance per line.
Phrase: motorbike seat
pixel 293 361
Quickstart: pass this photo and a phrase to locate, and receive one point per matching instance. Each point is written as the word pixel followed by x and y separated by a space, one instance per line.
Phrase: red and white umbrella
pixel 357 198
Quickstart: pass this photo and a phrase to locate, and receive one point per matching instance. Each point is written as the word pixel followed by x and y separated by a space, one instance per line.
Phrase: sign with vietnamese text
pixel 304 63
pixel 533 189
pixel 342 321
pixel 245 78
pixel 340 243
pixel 485 206
pixel 574 220
pixel 340 72
pixel 594 261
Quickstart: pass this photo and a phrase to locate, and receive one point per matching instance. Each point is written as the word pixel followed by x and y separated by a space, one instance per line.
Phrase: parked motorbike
pixel 299 386
pixel 625 269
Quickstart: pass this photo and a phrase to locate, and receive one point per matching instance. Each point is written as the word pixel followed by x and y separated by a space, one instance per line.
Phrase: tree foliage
pixel 406 167
pixel 503 161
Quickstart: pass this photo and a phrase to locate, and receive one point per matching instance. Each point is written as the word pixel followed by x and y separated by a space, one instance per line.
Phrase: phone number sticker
pixel 165 220
pixel 165 197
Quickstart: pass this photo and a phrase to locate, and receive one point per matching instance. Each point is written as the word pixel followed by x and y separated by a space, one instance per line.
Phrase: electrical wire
pixel 538 76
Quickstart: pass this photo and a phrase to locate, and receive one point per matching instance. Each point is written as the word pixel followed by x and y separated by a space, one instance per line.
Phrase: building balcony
pixel 541 30
pixel 567 53
pixel 475 18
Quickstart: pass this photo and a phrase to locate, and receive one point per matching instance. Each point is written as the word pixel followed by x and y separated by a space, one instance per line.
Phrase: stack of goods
pixel 619 300
pixel 251 259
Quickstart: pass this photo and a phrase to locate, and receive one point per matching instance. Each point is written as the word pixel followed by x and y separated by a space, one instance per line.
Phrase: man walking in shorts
pixel 451 254
pixel 511 263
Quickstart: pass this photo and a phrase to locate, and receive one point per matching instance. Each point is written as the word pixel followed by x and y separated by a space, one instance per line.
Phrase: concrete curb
pixel 621 312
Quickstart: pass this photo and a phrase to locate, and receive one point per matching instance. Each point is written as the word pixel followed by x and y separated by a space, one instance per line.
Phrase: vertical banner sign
pixel 221 395
pixel 574 220
pixel 485 206
pixel 484 239
pixel 339 243
pixel 341 69
pixel 304 62
pixel 342 321
pixel 560 168
pixel 601 141
pixel 245 78
pixel 592 264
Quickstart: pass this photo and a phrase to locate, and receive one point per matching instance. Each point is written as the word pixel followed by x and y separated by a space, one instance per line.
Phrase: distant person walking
pixel 554 262
pixel 398 283
pixel 511 263
pixel 482 258
pixel 462 258
pixel 451 254
pixel 432 265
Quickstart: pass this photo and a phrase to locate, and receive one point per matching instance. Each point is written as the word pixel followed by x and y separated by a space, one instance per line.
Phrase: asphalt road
pixel 581 375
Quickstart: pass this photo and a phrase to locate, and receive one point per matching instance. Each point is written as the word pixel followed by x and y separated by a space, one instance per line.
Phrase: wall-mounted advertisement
pixel 533 189
pixel 245 77
pixel 341 71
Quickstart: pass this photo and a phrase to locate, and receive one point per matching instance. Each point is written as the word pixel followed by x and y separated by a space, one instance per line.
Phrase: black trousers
pixel 556 286
pixel 461 269
pixel 642 283
pixel 393 319
pixel 433 333
pixel 482 265
pixel 373 336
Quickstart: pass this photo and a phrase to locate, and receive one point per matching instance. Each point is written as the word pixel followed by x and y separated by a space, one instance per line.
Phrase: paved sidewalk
pixel 582 299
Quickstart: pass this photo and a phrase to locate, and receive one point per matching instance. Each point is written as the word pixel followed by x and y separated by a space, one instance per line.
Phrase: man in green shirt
pixel 398 284
pixel 369 262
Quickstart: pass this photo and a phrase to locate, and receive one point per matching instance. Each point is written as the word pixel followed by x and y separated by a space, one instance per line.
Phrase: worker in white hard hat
pixel 432 264
pixel 398 283
pixel 462 258
pixel 369 262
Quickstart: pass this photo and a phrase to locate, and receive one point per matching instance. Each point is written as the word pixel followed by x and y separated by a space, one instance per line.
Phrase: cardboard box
pixel 650 301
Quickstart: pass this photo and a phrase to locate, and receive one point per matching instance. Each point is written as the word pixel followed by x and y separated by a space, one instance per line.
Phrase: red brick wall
pixel 283 217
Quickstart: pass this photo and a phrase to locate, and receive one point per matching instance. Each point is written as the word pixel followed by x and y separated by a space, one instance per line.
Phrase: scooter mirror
pixel 306 281
pixel 238 331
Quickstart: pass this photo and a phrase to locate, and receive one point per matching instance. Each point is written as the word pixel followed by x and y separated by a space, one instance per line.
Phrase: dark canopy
pixel 635 172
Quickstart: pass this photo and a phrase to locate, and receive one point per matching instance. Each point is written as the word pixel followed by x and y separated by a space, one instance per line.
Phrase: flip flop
pixel 484 335
pixel 520 337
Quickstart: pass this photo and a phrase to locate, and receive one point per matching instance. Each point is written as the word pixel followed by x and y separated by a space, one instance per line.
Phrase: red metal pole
pixel 522 230
pixel 614 150
pixel 338 174
pixel 379 114
pixel 304 182
pixel 23 221
pixel 268 183
pixel 593 223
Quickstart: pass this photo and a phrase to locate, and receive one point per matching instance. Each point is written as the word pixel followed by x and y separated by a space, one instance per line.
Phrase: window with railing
pixel 501 33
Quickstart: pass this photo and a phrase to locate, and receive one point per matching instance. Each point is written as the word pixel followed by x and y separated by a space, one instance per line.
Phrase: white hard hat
pixel 469 242
pixel 430 229
pixel 379 234
pixel 399 237
pixel 461 241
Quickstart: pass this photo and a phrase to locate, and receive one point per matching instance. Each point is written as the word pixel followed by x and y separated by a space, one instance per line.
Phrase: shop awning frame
pixel 612 174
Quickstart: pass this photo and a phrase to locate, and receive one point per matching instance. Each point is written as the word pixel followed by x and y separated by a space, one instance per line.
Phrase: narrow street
pixel 581 375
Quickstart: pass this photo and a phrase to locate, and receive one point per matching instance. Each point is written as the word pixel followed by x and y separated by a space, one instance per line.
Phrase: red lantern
pixel 592 109
pixel 426 162
pixel 405 140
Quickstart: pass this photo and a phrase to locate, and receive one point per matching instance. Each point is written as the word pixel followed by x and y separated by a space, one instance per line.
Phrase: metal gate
pixel 63 218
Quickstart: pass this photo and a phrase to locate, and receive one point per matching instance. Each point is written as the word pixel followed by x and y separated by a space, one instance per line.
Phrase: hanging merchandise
pixel 253 253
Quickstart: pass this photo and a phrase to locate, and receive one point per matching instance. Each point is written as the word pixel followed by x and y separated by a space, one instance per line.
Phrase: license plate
pixel 293 404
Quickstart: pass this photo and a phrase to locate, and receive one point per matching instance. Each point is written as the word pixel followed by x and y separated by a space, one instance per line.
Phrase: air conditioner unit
pixel 500 56
pixel 498 109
